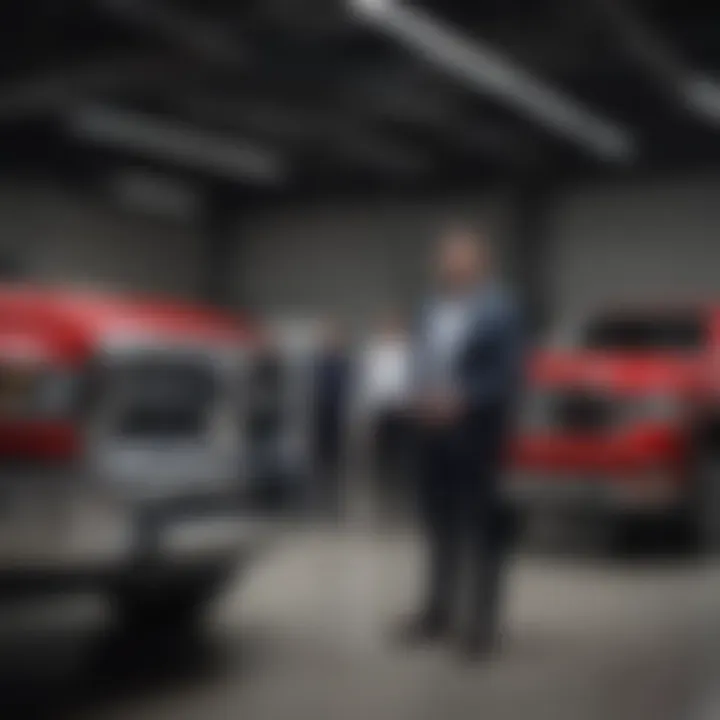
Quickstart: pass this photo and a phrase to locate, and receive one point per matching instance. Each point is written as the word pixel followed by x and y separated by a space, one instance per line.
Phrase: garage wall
pixel 355 260
pixel 659 239
pixel 628 240
pixel 60 237
pixel 358 259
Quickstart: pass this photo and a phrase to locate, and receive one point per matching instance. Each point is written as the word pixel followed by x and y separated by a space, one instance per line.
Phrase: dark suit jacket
pixel 331 397
pixel 490 363
pixel 488 372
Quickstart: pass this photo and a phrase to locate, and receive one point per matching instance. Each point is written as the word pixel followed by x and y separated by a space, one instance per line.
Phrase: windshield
pixel 164 398
pixel 672 332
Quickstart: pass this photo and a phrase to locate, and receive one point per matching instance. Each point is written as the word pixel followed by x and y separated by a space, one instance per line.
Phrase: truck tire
pixel 706 515
pixel 177 605
pixel 514 522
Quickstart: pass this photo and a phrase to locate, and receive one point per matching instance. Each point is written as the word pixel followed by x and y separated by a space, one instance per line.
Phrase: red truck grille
pixel 569 412
pixel 580 411
pixel 165 399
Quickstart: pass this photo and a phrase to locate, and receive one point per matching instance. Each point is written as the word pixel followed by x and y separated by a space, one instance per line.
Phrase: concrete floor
pixel 304 636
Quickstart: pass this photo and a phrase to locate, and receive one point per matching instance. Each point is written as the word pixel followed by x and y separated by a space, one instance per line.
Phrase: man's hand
pixel 440 409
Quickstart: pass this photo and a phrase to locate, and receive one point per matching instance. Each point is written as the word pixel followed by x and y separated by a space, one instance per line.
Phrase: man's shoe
pixel 422 629
pixel 477 646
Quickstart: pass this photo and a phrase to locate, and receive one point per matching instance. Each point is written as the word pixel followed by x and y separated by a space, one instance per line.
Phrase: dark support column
pixel 533 199
pixel 220 238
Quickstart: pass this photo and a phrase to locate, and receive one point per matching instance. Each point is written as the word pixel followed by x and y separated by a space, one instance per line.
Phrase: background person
pixel 384 385
pixel 332 388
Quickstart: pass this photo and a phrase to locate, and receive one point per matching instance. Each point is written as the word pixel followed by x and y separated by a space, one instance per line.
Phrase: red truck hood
pixel 619 372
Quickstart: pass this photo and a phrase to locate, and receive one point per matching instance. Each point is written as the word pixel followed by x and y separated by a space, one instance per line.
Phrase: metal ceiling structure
pixel 315 95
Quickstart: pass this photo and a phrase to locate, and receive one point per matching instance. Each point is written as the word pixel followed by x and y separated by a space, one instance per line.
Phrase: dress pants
pixel 390 450
pixel 329 461
pixel 463 521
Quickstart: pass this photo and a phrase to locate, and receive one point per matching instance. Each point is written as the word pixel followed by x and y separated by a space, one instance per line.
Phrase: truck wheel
pixel 170 606
pixel 707 505
pixel 615 534
pixel 514 526
pixel 161 610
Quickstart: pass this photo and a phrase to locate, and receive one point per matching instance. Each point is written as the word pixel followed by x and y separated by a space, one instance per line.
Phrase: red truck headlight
pixel 56 393
pixel 655 408
pixel 36 392
pixel 535 410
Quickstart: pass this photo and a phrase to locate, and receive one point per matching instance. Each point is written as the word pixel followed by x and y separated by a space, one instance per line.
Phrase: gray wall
pixel 643 239
pixel 658 239
pixel 358 259
pixel 355 260
pixel 60 237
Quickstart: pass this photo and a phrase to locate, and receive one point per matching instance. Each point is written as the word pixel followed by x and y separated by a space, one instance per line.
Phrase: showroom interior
pixel 296 160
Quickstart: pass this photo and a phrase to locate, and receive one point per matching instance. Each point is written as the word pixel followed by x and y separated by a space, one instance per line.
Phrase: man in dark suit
pixel 467 373
pixel 332 386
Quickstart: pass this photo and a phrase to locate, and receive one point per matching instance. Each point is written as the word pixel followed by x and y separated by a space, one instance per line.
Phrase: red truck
pixel 625 420
pixel 121 450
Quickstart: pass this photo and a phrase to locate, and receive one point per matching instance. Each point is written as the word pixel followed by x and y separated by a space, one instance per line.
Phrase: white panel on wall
pixel 62 238
pixel 355 260
pixel 652 240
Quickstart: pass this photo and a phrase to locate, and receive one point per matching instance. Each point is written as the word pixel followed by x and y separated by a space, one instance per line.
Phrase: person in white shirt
pixel 383 390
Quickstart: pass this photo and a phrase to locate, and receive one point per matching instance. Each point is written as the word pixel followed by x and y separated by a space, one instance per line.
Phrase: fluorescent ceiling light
pixel 156 195
pixel 338 133
pixel 228 157
pixel 702 95
pixel 490 73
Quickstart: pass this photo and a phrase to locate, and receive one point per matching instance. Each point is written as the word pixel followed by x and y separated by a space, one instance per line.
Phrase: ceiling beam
pixel 487 72
pixel 228 157
pixel 638 41
pixel 203 39
pixel 407 99
pixel 338 134
pixel 49 93
pixel 661 60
